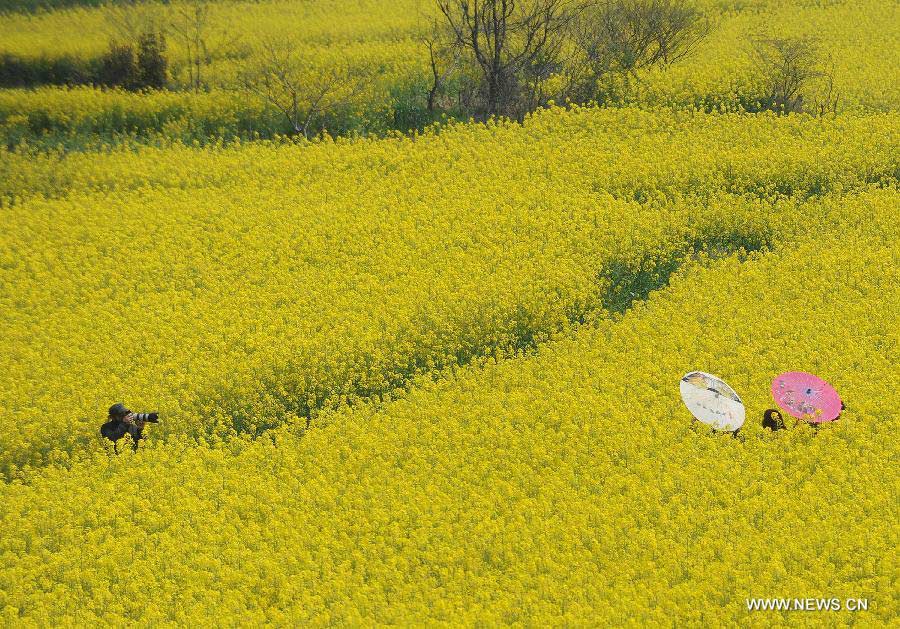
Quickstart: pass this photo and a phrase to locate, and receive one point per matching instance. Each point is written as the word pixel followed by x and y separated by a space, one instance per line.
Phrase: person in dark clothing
pixel 773 420
pixel 124 422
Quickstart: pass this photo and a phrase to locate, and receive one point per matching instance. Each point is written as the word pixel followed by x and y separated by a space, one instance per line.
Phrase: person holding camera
pixel 123 422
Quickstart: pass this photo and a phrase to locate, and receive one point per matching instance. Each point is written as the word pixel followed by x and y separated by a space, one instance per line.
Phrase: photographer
pixel 122 421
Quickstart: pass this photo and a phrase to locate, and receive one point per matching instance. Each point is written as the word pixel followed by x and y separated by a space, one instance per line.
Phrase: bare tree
pixel 793 78
pixel 444 57
pixel 623 37
pixel 509 42
pixel 202 41
pixel 304 93
pixel 126 22
pixel 827 99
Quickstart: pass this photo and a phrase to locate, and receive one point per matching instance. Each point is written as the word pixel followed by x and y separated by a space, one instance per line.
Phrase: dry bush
pixel 793 78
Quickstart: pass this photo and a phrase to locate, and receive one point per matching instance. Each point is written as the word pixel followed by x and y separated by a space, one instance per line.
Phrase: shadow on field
pixel 627 284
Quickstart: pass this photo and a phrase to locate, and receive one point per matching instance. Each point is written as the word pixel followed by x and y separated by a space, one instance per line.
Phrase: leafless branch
pixel 303 93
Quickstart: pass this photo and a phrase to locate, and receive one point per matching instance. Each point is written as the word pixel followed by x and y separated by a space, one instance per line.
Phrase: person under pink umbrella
pixel 803 396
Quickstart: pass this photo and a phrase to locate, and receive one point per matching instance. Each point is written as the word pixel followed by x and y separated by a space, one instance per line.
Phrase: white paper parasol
pixel 712 401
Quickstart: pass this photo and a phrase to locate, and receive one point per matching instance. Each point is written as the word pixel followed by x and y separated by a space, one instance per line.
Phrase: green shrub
pixel 118 67
pixel 16 71
pixel 152 65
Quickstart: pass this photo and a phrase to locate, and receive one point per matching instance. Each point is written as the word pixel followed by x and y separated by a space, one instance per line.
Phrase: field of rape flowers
pixel 467 319
pixel 386 42
pixel 432 379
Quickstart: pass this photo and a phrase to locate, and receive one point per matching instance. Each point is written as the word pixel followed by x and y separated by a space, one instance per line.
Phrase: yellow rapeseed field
pixel 562 487
pixel 860 36
pixel 165 276
pixel 432 379
pixel 386 41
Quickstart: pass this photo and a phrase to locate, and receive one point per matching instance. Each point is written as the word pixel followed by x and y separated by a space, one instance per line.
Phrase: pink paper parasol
pixel 806 397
